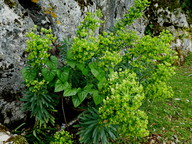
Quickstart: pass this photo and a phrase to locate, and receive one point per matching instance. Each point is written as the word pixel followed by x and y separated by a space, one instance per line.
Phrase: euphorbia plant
pixel 112 72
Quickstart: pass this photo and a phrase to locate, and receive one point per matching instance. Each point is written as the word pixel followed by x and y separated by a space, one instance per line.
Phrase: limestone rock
pixel 13 25
pixel 7 138
pixel 173 19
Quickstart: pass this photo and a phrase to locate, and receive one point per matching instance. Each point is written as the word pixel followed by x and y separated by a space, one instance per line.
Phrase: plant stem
pixel 64 117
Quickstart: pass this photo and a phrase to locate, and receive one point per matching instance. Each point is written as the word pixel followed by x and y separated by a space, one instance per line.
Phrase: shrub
pixel 112 72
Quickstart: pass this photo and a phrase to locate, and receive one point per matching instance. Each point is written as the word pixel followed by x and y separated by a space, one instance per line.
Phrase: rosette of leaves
pixel 62 137
pixel 94 130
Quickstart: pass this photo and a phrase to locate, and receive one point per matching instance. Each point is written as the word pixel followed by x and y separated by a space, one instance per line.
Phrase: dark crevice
pixel 83 3
pixel 166 24
pixel 9 114
pixel 35 12
pixel 8 96
pixel 28 4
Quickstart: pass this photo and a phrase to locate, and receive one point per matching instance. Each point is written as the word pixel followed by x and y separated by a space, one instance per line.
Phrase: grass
pixel 171 120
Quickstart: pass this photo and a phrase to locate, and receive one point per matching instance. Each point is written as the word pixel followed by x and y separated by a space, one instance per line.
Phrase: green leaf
pixel 103 136
pixel 88 87
pixel 60 86
pixel 96 97
pixel 49 74
pixel 76 101
pixel 70 92
pixel 83 68
pixel 96 135
pixel 82 95
pixel 52 63
pixel 97 72
pixel 58 73
pixel 71 64
pixel 80 66
pixel 64 75
pixel 94 70
pixel 28 74
pixel 111 134
pixel 85 71
pixel 101 83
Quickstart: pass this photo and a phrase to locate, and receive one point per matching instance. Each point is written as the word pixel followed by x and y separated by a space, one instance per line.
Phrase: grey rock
pixel 7 138
pixel 176 18
pixel 12 45
pixel 11 112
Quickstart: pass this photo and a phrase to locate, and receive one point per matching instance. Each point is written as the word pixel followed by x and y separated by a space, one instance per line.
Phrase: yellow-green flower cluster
pixel 62 137
pixel 38 45
pixel 121 107
pixel 85 44
pixel 83 49
pixel 36 86
pixel 90 23
pixel 109 60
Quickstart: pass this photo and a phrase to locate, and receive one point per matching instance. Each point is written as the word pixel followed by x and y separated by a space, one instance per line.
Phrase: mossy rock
pixel 10 3
pixel 171 4
pixel 3 128
pixel 11 139
pixel 16 140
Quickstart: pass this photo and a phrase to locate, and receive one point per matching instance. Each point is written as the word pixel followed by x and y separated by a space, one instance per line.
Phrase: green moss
pixel 10 3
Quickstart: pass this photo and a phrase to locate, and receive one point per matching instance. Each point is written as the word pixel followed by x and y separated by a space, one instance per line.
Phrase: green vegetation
pixel 188 60
pixel 108 75
pixel 62 137
pixel 92 129
pixel 38 99
pixel 172 119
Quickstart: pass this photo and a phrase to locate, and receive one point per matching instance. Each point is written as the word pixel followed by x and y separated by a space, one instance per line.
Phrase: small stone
pixel 3 137
pixel 156 5
pixel 1 56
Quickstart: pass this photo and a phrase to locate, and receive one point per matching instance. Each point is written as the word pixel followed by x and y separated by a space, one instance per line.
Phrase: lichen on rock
pixel 10 3
pixel 7 138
